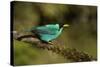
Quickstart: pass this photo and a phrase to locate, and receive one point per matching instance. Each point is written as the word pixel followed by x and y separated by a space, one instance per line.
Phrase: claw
pixel 51 43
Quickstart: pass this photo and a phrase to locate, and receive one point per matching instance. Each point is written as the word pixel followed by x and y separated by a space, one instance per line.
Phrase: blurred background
pixel 81 35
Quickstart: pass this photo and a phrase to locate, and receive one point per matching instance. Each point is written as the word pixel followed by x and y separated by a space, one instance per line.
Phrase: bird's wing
pixel 50 30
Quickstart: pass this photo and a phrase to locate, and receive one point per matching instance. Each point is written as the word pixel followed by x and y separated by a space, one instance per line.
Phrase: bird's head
pixel 64 25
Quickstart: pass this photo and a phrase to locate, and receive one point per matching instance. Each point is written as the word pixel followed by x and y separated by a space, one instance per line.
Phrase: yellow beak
pixel 65 25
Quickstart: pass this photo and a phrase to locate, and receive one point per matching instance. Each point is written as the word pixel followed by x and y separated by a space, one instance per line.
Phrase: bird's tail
pixel 25 36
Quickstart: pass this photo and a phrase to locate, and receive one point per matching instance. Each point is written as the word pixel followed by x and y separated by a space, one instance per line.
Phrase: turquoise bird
pixel 48 32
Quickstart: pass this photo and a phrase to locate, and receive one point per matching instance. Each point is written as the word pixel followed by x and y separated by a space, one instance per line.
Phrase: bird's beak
pixel 65 25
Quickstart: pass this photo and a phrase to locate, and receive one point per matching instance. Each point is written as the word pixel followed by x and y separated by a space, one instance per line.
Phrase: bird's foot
pixel 51 43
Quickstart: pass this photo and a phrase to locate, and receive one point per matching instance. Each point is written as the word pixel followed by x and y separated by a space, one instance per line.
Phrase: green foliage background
pixel 81 35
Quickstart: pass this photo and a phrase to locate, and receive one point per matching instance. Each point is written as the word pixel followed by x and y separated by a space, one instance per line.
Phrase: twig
pixel 71 54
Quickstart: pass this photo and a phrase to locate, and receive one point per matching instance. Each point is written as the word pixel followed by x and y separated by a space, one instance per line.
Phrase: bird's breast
pixel 48 37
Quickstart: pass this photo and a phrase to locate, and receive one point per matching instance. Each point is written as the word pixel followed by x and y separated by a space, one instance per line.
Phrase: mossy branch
pixel 70 54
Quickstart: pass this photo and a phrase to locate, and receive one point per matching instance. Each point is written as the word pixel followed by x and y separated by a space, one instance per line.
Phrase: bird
pixel 46 33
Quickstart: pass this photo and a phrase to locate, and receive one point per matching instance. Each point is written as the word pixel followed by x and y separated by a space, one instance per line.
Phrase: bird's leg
pixel 51 43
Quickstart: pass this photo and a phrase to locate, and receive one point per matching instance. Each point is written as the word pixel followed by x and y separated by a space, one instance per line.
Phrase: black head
pixel 63 25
